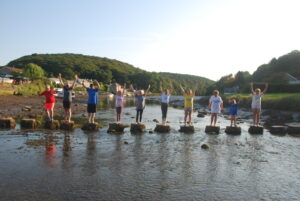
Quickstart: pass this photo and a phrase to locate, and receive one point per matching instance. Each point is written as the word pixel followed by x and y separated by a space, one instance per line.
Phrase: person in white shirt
pixel 256 102
pixel 165 98
pixel 215 106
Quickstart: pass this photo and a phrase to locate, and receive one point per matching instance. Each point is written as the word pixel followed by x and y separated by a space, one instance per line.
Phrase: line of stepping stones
pixel 9 123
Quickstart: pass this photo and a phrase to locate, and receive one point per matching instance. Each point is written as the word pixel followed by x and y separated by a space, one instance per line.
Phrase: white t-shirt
pixel 215 102
pixel 165 98
pixel 256 101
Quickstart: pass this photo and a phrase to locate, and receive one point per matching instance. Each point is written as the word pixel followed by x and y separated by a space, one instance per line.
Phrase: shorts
pixel 91 108
pixel 66 104
pixel 49 106
pixel 119 110
pixel 188 109
pixel 232 112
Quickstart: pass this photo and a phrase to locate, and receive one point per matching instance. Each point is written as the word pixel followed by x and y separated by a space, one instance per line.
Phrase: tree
pixel 33 71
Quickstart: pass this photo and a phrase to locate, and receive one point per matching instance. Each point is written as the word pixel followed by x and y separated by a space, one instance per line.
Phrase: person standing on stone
pixel 140 96
pixel 120 102
pixel 50 101
pixel 215 106
pixel 165 98
pixel 188 104
pixel 67 99
pixel 233 108
pixel 256 102
pixel 92 100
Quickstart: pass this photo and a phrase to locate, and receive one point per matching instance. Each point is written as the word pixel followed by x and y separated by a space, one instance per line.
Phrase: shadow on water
pixel 99 166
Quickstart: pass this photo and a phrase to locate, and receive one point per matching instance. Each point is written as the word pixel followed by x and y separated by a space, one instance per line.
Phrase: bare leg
pixel 93 117
pixel 185 117
pixel 190 117
pixel 234 120
pixel 90 117
pixel 48 114
pixel 211 119
pixel 231 120
pixel 51 113
pixel 70 115
pixel 215 119
pixel 254 117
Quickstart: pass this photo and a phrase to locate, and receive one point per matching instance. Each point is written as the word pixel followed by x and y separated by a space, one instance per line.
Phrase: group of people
pixel 215 104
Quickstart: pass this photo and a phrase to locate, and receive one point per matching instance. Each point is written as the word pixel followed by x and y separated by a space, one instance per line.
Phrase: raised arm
pixel 147 91
pixel 124 88
pixel 266 88
pixel 83 85
pixel 75 80
pixel 251 87
pixel 181 88
pixel 60 80
pixel 97 83
pixel 131 87
pixel 160 87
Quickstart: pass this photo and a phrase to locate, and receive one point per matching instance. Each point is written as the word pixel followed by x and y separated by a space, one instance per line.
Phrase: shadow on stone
pixel 278 130
pixel 67 126
pixel 256 130
pixel 52 125
pixel 137 128
pixel 91 126
pixel 7 123
pixel 212 129
pixel 294 129
pixel 187 129
pixel 160 128
pixel 116 128
pixel 233 130
pixel 29 123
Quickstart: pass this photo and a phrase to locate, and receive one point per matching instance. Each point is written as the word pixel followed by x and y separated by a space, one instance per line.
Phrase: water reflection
pixel 50 151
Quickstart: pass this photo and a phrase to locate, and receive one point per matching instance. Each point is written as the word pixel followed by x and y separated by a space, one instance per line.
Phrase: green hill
pixel 109 70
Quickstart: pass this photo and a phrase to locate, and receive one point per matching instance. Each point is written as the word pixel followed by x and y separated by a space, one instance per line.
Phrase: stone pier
pixel 278 130
pixel 29 123
pixel 233 130
pixel 52 125
pixel 294 129
pixel 91 127
pixel 187 129
pixel 7 123
pixel 67 126
pixel 160 128
pixel 256 130
pixel 137 128
pixel 116 128
pixel 212 129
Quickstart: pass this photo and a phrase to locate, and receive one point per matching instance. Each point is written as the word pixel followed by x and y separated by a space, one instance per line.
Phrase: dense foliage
pixel 33 71
pixel 109 70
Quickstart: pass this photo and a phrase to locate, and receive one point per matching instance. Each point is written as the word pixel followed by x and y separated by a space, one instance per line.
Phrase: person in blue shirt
pixel 233 108
pixel 92 100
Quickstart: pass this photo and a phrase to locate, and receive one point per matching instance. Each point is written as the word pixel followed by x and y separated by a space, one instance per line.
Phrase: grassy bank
pixel 282 101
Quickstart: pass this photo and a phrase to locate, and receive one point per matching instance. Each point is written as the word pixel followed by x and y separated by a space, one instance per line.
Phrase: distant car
pixel 60 93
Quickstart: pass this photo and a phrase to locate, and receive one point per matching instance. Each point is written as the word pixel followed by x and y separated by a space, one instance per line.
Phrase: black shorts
pixel 119 110
pixel 91 108
pixel 67 104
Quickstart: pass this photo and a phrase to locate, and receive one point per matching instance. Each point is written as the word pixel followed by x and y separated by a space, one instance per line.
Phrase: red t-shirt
pixel 49 96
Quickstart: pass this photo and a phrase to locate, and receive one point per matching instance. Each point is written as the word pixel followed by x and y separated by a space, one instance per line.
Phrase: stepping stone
pixel 278 130
pixel 52 125
pixel 187 129
pixel 29 123
pixel 205 146
pixel 137 128
pixel 162 128
pixel 7 123
pixel 116 127
pixel 256 130
pixel 233 130
pixel 212 129
pixel 294 129
pixel 91 127
pixel 67 126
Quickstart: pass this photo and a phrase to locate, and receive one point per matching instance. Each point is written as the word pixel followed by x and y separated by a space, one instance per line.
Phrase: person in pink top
pixel 120 103
pixel 50 101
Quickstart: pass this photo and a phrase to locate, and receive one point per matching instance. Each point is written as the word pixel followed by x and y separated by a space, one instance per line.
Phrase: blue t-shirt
pixel 93 95
pixel 233 108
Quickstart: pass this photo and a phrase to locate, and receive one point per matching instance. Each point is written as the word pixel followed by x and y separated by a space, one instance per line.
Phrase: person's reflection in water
pixel 91 154
pixel 50 151
pixel 67 149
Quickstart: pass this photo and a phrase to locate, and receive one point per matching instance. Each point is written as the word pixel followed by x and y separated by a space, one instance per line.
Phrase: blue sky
pixel 207 38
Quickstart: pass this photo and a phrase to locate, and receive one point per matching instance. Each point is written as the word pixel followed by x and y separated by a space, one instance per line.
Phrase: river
pixel 172 166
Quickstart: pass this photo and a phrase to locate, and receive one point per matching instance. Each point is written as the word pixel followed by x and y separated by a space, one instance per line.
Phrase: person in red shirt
pixel 50 101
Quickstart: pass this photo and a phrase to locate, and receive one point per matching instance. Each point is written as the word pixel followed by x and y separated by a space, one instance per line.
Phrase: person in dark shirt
pixel 67 99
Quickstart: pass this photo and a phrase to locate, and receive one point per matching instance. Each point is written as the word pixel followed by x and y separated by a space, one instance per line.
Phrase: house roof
pixel 7 69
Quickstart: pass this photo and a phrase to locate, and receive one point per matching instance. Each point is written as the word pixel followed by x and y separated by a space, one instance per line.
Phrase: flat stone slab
pixel 67 126
pixel 212 129
pixel 256 130
pixel 52 125
pixel 7 123
pixel 91 126
pixel 294 129
pixel 137 128
pixel 160 128
pixel 233 130
pixel 29 123
pixel 116 127
pixel 187 129
pixel 278 130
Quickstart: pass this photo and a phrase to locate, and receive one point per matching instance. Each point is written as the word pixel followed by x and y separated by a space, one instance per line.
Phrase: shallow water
pixel 99 166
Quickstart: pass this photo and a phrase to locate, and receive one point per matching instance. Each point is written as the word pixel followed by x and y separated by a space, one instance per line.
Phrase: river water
pixel 101 166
